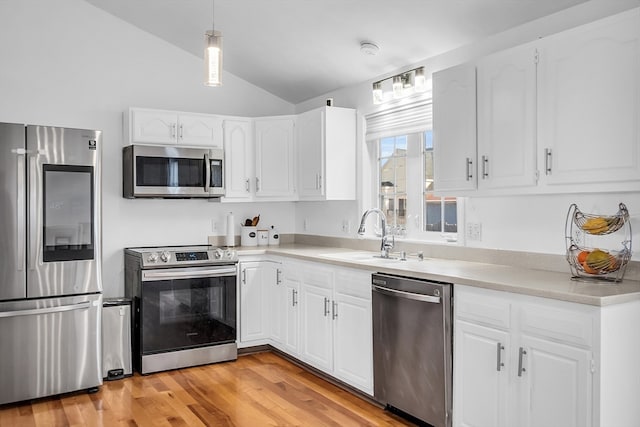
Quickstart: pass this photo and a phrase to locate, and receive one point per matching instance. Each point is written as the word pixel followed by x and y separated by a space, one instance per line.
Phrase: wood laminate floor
pixel 261 389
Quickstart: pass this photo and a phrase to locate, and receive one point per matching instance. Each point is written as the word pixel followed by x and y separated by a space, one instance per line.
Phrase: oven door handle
pixel 174 274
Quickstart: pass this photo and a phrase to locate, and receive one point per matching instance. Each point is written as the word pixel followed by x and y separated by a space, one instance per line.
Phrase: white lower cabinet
pixel 481 395
pixel 353 329
pixel 522 361
pixel 556 384
pixel 331 306
pixel 257 282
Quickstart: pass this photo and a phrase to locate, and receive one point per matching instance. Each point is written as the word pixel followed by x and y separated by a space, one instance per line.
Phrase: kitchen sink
pixel 360 256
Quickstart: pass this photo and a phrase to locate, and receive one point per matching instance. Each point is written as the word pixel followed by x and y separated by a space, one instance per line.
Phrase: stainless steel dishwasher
pixel 412 347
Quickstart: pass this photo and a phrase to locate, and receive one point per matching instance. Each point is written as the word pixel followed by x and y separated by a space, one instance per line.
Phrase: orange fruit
pixel 582 256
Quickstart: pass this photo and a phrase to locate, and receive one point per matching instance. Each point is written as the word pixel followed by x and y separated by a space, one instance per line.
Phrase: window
pixel 392 180
pixel 400 149
pixel 440 213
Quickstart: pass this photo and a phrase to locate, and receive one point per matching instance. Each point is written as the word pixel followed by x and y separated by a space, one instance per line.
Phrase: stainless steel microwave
pixel 172 172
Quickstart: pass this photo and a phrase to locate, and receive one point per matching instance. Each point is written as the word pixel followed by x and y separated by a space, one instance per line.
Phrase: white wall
pixel 67 63
pixel 524 223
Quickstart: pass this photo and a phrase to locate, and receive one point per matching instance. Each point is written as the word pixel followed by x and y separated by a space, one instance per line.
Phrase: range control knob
pixel 165 256
pixel 153 257
pixel 219 253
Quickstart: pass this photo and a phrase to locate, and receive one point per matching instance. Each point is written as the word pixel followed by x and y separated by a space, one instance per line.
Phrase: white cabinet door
pixel 507 119
pixel 327 154
pixel 352 343
pixel 589 102
pixel 317 334
pixel 255 278
pixel 454 129
pixel 277 308
pixel 238 159
pixel 292 316
pixel 199 130
pixel 481 369
pixel 153 126
pixel 556 384
pixel 310 127
pixel 275 158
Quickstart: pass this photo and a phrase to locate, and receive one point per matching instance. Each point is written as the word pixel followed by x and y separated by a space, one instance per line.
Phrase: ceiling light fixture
pixel 402 85
pixel 213 54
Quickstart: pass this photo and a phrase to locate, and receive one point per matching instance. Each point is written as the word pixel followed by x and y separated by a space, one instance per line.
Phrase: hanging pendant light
pixel 213 55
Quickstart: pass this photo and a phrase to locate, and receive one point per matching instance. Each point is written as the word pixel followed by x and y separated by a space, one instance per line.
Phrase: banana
pixel 596 225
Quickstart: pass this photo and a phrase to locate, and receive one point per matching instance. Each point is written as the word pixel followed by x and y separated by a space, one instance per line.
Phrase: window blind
pixel 402 119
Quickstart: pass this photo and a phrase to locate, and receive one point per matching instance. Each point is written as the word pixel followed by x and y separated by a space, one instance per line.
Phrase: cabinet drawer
pixel 482 306
pixel 356 283
pixel 562 322
pixel 317 276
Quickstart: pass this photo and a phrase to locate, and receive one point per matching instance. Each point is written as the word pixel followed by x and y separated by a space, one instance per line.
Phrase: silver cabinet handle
pixel 278 273
pixel 469 168
pixel 173 130
pixel 521 353
pixel 244 276
pixel 547 161
pixel 207 173
pixel 499 362
pixel 485 167
pixel 319 182
pixel 407 295
pixel 334 307
pixel 246 185
pixel 46 310
pixel 294 297
pixel 181 136
pixel 257 184
pixel 326 306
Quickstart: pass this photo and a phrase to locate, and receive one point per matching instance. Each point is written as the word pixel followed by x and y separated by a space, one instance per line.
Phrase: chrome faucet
pixel 385 245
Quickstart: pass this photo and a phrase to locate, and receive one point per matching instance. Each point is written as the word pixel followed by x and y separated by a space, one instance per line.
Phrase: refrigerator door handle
pixel 33 212
pixel 46 310
pixel 20 209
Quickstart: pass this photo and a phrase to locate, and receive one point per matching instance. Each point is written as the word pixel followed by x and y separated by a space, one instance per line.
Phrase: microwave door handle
pixel 207 173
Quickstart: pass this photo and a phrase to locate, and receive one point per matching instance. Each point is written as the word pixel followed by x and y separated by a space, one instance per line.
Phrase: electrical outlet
pixel 305 224
pixel 346 226
pixel 474 231
pixel 214 225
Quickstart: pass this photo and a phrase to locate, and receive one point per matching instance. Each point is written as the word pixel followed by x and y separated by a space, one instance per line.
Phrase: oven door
pixel 183 308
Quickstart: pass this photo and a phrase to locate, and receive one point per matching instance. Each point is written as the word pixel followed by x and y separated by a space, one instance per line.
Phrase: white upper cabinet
pixel 454 129
pixel 275 158
pixel 507 119
pixel 589 102
pixel 146 126
pixel 326 143
pixel 561 114
pixel 238 149
pixel 201 130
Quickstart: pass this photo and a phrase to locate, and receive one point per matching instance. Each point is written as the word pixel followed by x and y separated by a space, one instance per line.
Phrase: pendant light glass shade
pixel 213 58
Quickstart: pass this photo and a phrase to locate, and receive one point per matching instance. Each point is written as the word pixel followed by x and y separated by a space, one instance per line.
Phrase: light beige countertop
pixel 532 282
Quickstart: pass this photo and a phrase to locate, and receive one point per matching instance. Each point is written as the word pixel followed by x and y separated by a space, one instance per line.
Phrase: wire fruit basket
pixel 594 263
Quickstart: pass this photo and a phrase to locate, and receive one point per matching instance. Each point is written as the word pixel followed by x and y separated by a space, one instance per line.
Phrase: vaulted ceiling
pixel 299 49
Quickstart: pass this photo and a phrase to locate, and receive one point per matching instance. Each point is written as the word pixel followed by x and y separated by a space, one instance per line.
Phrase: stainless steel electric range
pixel 184 304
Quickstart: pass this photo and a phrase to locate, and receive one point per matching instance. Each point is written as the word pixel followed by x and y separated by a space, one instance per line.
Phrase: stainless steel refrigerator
pixel 50 252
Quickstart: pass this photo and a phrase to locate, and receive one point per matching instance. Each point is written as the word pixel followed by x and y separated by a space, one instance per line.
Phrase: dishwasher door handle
pixel 407 295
